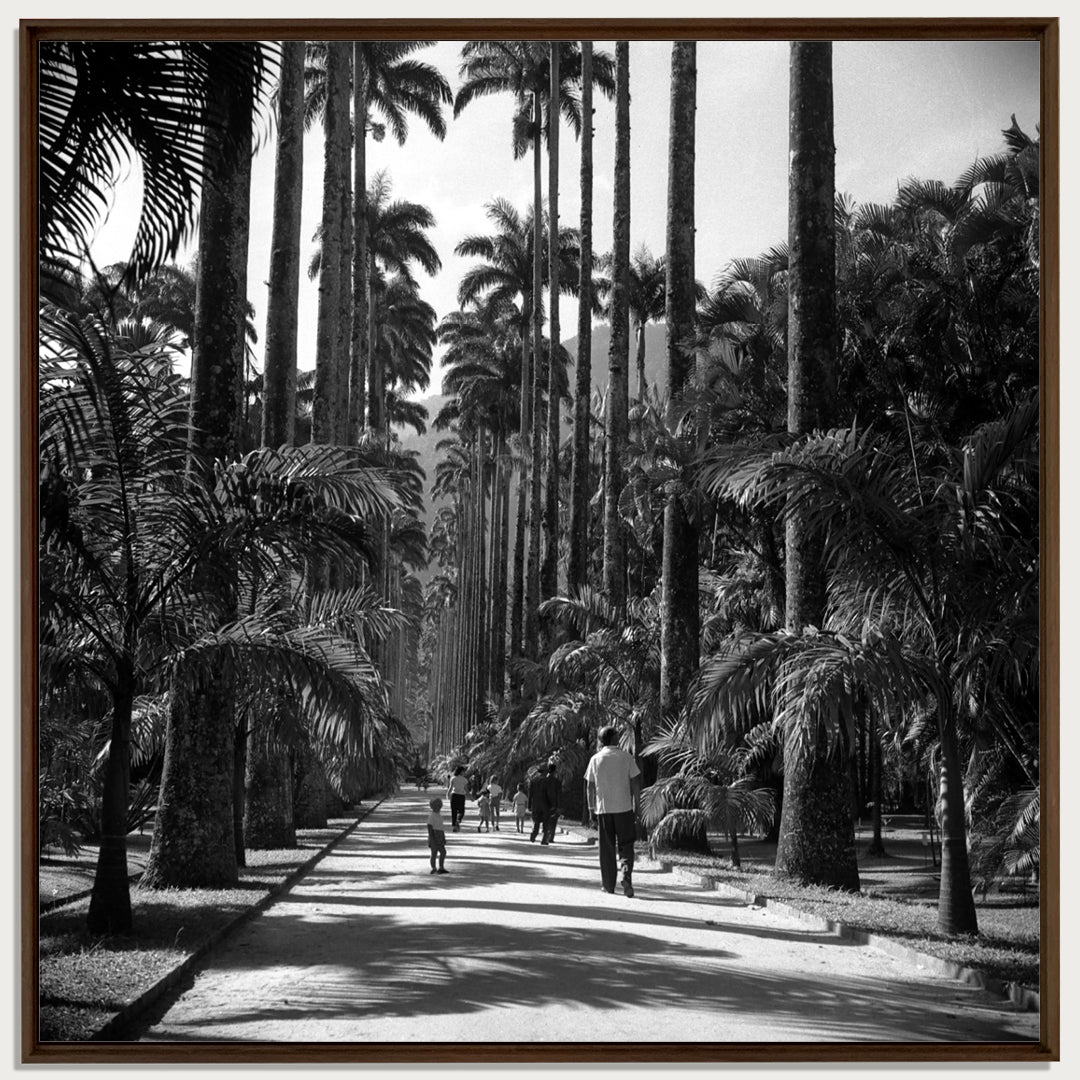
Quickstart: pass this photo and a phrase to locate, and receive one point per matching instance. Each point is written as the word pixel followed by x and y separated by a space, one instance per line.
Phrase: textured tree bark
pixel 268 806
pixel 639 334
pixel 239 769
pixel 549 571
pixel 679 618
pixel 110 902
pixel 817 835
pixel 282 313
pixel 532 583
pixel 327 337
pixel 358 371
pixel 956 902
pixel 578 569
pixel 217 360
pixel 309 790
pixel 615 437
pixel 517 592
pixel 193 843
pixel 344 327
pixel 500 569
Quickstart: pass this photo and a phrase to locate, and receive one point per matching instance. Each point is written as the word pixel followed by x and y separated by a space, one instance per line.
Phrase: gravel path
pixel 518 943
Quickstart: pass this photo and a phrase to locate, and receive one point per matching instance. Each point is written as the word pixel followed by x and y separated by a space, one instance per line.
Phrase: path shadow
pixel 389 969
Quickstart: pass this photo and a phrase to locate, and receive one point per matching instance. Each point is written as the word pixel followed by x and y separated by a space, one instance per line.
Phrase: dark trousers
pixel 617 835
pixel 438 848
pixel 457 809
pixel 538 823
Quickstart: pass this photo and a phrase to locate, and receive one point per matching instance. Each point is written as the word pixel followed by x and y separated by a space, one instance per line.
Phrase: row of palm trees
pixel 833 406
pixel 860 583
pixel 261 593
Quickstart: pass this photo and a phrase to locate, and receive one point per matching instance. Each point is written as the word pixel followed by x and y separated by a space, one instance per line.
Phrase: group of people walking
pixel 613 788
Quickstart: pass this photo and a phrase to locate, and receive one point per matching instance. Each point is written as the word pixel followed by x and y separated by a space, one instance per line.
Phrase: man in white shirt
pixel 613 780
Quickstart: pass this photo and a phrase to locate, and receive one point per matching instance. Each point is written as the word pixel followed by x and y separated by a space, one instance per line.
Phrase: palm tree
pixel 483 372
pixel 648 280
pixel 329 369
pixel 397 238
pixel 522 68
pixel 505 276
pixel 817 839
pixel 679 606
pixel 132 544
pixel 931 603
pixel 198 775
pixel 405 336
pixel 282 314
pixel 615 439
pixel 386 78
pixel 102 101
pixel 549 569
pixel 577 570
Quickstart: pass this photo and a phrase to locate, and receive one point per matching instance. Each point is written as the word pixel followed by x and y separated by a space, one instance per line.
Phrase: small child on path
pixel 521 803
pixel 436 836
pixel 483 806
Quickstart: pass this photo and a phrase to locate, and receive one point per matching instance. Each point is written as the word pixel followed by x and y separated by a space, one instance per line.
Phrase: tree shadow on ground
pixel 384 969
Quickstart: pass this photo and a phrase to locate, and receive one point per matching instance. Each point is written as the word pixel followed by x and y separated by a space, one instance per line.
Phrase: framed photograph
pixel 540 540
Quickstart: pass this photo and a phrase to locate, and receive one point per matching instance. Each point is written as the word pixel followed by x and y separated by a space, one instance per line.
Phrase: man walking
pixel 544 803
pixel 613 781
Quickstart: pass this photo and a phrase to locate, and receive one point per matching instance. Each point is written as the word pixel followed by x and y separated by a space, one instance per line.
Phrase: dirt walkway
pixel 518 943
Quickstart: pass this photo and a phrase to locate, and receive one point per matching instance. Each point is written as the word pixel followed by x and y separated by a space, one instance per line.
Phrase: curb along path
pixel 518 944
pixel 117 1027
pixel 1022 997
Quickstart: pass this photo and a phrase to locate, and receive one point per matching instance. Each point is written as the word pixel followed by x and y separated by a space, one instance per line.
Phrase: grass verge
pixel 85 980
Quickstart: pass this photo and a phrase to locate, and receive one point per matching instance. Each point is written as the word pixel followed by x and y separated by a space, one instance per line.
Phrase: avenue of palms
pixel 816 532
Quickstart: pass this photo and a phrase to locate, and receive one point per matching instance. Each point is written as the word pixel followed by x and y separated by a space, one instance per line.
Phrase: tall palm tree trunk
pixel 194 839
pixel 578 570
pixel 501 573
pixel 817 835
pixel 517 598
pixel 679 617
pixel 639 327
pixel 615 437
pixel 360 358
pixel 343 348
pixel 336 121
pixel 282 311
pixel 532 589
pixel 549 573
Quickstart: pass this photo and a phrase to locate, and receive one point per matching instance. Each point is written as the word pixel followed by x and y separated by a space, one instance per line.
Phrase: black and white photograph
pixel 443 447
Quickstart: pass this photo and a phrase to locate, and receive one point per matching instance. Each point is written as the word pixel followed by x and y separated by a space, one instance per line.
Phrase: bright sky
pixel 923 109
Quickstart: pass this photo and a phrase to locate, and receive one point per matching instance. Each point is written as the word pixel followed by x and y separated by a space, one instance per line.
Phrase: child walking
pixel 483 806
pixel 521 804
pixel 436 836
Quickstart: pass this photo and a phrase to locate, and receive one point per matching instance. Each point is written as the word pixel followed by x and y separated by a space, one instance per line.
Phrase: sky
pixel 924 109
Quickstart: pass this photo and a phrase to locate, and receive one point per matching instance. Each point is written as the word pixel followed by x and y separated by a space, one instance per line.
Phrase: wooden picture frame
pixel 1046 32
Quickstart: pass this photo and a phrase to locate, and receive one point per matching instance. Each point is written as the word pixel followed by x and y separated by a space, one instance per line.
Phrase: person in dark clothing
pixel 544 794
